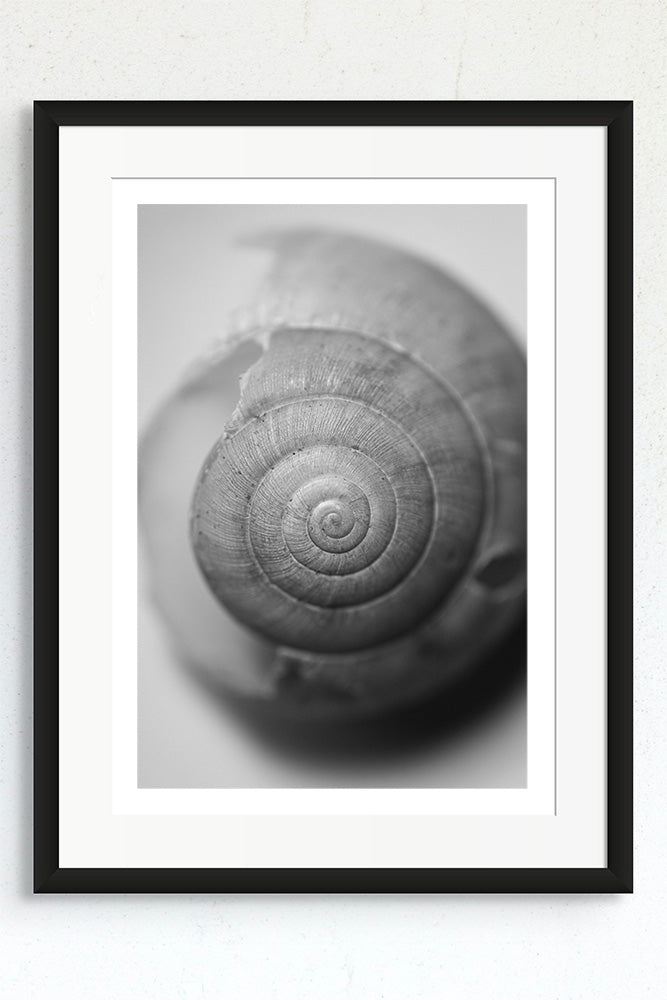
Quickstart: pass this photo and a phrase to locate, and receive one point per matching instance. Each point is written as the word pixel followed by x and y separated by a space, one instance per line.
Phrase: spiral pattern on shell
pixel 346 496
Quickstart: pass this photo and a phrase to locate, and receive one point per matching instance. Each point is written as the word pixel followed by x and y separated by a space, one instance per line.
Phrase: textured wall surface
pixel 391 947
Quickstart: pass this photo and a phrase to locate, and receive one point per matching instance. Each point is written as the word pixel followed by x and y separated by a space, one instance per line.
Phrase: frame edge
pixel 48 877
pixel 45 472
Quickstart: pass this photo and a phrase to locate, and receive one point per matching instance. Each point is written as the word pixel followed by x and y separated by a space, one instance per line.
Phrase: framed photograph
pixel 333 497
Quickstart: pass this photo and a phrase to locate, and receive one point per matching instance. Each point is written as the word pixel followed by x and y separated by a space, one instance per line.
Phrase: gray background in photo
pixel 192 273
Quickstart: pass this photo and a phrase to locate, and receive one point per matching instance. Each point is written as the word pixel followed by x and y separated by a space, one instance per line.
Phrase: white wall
pixel 390 947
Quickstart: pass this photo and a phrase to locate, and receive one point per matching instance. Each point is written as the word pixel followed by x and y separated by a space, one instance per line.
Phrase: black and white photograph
pixel 332 497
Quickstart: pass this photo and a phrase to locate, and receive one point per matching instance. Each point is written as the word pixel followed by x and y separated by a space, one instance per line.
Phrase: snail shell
pixel 361 515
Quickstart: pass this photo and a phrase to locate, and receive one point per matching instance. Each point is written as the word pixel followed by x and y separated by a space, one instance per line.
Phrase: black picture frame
pixel 616 118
